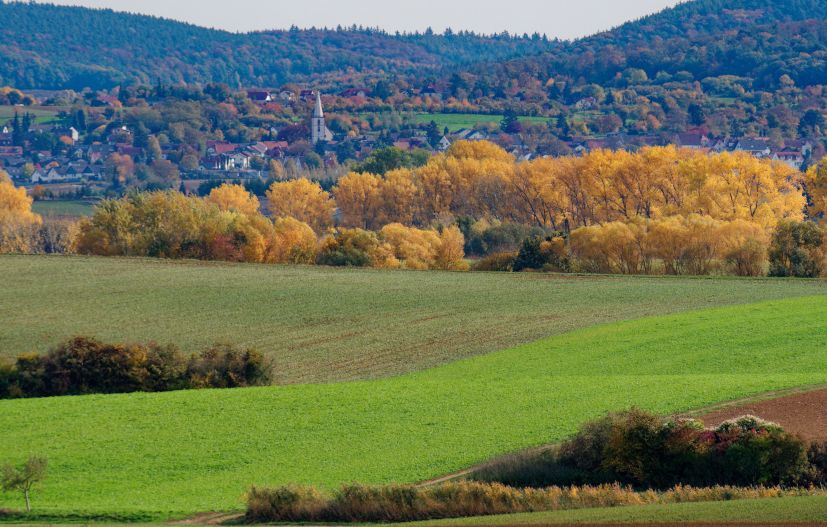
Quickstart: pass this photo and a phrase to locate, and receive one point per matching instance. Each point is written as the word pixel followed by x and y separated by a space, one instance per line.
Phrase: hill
pixel 758 40
pixel 48 46
pixel 183 452
pixel 323 324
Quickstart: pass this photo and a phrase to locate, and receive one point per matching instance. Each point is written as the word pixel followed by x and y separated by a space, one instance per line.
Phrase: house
pixel 11 151
pixel 287 96
pixel 354 92
pixel 693 141
pixel 259 96
pixel 587 103
pixel 793 158
pixel 755 146
pixel 444 143
pixel 53 175
pixel 307 95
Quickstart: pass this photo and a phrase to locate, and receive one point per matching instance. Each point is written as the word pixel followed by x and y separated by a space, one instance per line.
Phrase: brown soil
pixel 799 413
pixel 747 524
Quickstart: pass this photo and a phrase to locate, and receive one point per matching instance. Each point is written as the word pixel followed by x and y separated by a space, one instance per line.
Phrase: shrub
pixel 647 451
pixel 405 503
pixel 84 366
pixel 355 248
pixel 501 262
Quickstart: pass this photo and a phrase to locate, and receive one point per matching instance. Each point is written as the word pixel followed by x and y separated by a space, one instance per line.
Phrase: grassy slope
pixel 199 450
pixel 325 324
pixel 807 509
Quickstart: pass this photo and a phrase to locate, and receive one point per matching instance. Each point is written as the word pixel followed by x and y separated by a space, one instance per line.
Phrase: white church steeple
pixel 318 130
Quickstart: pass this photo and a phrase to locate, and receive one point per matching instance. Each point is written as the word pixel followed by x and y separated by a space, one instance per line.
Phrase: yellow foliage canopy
pixel 303 200
pixel 17 221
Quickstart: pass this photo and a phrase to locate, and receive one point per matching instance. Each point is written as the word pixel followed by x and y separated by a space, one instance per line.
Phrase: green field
pixel 182 452
pixel 63 208
pixel 323 324
pixel 458 121
pixel 42 114
pixel 805 509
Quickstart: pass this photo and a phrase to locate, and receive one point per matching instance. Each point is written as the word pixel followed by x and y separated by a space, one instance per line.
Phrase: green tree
pixel 511 122
pixel 796 250
pixel 23 478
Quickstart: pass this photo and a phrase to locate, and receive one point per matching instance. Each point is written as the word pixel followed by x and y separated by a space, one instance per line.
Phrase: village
pixel 57 160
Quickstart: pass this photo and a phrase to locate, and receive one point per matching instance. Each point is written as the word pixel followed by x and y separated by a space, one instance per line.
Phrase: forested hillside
pixel 48 46
pixel 760 40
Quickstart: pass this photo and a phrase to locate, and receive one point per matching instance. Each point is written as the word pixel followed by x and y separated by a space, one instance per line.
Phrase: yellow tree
pixel 234 198
pixel 816 181
pixel 295 242
pixel 397 198
pixel 17 221
pixel 537 195
pixel 358 197
pixel 303 200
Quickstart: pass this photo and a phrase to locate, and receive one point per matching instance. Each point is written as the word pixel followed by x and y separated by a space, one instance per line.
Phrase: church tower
pixel 318 127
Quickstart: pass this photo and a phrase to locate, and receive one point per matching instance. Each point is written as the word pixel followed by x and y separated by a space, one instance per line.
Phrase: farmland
pixel 753 512
pixel 183 452
pixel 322 324
pixel 63 208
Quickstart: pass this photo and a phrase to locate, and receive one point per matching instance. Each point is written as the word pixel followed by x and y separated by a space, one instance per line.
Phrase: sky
pixel 565 19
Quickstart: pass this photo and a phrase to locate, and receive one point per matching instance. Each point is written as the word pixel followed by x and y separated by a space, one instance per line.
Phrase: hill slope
pixel 322 324
pixel 757 39
pixel 48 46
pixel 194 451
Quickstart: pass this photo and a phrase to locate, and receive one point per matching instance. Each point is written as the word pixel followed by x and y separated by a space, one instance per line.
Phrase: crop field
pixel 177 453
pixel 755 512
pixel 63 208
pixel 321 324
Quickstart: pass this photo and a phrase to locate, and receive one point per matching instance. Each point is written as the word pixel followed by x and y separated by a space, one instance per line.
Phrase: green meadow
pixel 321 324
pixel 458 121
pixel 42 114
pixel 178 453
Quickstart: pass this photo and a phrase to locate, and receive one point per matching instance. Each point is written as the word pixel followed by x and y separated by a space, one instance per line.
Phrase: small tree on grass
pixel 23 478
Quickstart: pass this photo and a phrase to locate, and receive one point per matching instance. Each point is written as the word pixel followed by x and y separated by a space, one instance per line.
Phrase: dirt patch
pixel 750 524
pixel 800 413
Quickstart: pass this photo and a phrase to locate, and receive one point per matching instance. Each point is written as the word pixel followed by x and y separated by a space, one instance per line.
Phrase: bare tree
pixel 23 478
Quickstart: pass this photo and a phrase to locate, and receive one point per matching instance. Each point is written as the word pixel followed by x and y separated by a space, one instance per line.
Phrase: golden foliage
pixel 303 200
pixel 18 224
pixel 295 242
pixel 234 198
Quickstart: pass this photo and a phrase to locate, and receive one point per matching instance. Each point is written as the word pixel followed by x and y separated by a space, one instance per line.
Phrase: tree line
pixel 659 210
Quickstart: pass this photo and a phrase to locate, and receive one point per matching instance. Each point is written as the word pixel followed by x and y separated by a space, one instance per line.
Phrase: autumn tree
pixel 303 200
pixel 358 199
pixel 234 198
pixel 18 224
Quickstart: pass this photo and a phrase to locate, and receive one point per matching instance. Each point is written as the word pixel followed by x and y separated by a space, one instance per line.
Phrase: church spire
pixel 318 112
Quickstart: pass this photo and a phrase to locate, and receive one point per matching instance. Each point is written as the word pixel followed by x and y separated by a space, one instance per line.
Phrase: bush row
pixel 84 366
pixel 692 245
pixel 403 503
pixel 648 451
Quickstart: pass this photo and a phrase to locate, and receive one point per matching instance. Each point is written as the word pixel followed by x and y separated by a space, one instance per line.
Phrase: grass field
pixel 805 509
pixel 42 114
pixel 323 324
pixel 63 208
pixel 184 452
pixel 456 122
